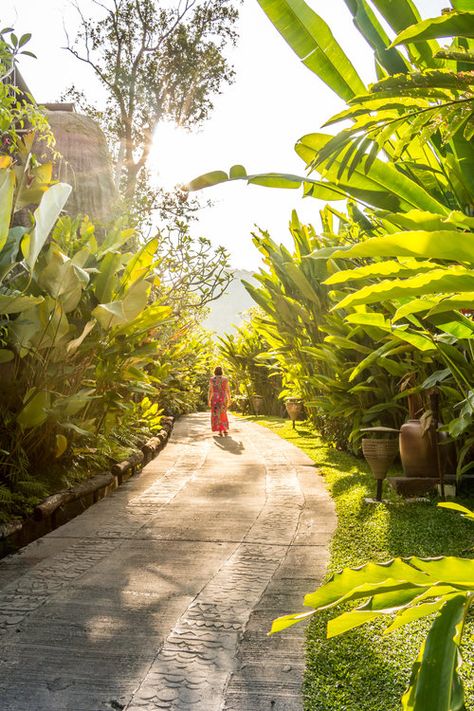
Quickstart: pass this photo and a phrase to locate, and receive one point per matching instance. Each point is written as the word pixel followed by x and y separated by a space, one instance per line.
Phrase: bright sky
pixel 256 122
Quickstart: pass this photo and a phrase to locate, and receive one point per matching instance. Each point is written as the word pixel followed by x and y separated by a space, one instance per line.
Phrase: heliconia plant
pixel 86 334
pixel 406 161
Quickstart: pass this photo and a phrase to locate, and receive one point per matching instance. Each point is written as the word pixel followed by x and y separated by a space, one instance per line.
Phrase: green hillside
pixel 227 311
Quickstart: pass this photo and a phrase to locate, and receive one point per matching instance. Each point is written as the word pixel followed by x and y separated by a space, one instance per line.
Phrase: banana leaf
pixel 451 24
pixel 312 40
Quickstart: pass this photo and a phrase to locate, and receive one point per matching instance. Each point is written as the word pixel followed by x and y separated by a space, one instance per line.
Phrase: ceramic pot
pixel 257 401
pixel 417 451
pixel 294 410
pixel 379 454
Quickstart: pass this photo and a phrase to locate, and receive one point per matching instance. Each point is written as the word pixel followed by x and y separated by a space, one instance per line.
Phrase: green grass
pixel 364 670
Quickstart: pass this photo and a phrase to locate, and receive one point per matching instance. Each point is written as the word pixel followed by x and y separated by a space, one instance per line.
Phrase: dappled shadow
pixel 118 577
pixel 229 445
pixel 352 673
pixel 364 670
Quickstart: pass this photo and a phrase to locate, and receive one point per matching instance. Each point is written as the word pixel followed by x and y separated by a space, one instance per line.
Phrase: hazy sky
pixel 256 122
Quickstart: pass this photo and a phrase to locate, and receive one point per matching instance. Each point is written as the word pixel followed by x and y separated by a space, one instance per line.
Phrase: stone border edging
pixel 61 507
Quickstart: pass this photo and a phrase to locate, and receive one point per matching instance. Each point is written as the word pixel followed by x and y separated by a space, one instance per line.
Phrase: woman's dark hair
pixel 218 370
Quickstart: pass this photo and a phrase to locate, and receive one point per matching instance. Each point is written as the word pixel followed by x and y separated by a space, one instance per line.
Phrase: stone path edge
pixel 61 507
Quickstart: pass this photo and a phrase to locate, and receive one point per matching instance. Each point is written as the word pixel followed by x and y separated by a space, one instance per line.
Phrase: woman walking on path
pixel 219 400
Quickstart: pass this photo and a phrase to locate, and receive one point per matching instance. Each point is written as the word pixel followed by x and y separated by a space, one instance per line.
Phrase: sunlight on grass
pixel 364 670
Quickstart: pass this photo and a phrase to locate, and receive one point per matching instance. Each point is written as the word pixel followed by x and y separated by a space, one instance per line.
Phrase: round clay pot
pixel 294 410
pixel 257 401
pixel 379 454
pixel 417 451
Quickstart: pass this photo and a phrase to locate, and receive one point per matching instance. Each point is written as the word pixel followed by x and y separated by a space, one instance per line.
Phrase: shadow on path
pixel 161 595
pixel 229 445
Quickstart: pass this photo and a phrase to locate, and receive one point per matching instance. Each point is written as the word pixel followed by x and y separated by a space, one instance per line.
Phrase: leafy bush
pixel 95 342
pixel 407 589
pixel 412 205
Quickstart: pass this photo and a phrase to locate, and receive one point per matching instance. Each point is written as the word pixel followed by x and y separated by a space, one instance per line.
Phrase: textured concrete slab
pixel 160 597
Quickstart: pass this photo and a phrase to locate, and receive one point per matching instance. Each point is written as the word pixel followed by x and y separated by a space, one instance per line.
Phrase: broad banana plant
pixel 406 159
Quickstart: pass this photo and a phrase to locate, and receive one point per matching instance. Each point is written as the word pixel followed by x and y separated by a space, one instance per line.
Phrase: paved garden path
pixel 160 596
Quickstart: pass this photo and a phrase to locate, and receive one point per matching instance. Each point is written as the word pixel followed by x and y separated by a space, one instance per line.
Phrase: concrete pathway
pixel 160 597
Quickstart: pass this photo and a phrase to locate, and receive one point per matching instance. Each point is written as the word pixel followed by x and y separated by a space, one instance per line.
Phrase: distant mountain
pixel 227 311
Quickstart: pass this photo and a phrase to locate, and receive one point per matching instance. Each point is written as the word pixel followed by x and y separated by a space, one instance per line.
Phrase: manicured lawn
pixel 364 670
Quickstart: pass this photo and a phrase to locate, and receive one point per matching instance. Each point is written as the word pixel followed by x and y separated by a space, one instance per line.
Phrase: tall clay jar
pixel 294 409
pixel 257 402
pixel 417 451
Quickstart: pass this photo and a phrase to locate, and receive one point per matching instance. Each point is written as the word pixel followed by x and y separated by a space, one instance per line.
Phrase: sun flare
pixel 171 156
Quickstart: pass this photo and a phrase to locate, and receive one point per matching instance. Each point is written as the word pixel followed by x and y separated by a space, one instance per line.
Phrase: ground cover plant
pixel 365 670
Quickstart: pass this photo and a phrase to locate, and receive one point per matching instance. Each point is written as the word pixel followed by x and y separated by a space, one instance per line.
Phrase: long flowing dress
pixel 219 394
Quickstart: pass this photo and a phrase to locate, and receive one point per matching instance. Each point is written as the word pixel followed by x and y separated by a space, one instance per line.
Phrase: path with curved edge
pixel 160 596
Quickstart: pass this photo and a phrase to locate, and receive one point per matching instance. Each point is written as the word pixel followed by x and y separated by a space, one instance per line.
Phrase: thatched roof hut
pixel 85 164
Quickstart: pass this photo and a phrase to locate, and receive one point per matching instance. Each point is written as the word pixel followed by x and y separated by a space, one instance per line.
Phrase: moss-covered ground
pixel 365 670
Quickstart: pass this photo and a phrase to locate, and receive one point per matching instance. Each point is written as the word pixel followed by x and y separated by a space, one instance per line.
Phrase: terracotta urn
pixel 380 451
pixel 417 450
pixel 294 408
pixel 257 402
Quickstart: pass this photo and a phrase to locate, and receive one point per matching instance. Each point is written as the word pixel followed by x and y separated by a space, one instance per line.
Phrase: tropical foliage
pixel 96 340
pixel 87 335
pixel 405 165
pixel 407 589
pixel 403 279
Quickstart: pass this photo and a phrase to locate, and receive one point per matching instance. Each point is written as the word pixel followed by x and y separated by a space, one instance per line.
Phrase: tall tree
pixel 156 61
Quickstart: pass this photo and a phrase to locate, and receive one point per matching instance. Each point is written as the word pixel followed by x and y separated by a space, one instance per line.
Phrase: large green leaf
pixel 107 279
pixel 349 621
pixel 450 24
pixel 461 4
pixel 16 302
pixel 312 40
pixel 449 245
pixel 62 279
pixel 120 312
pixel 450 569
pixel 7 187
pixel 151 317
pixel 402 14
pixel 46 214
pixel 434 282
pixel 384 350
pixel 355 583
pixel 139 265
pixel 315 188
pixel 369 26
pixel 282 623
pixel 433 684
pixel 301 282
pixel 380 269
pixel 379 184
pixel 410 614
pixel 34 412
pixel 9 253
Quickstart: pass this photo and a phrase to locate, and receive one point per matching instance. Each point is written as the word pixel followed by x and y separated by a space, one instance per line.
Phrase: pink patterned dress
pixel 218 396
